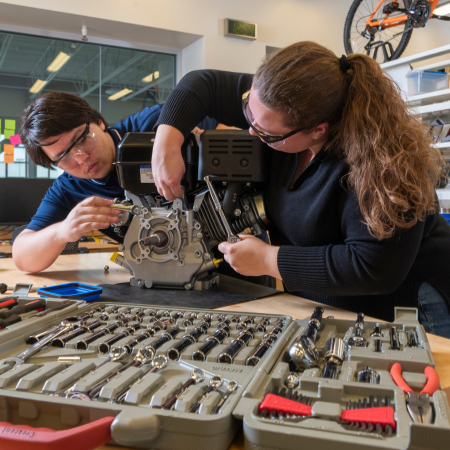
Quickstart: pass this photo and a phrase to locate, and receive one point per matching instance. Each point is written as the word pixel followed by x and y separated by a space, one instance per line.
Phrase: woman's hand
pixel 167 162
pixel 251 257
pixel 93 213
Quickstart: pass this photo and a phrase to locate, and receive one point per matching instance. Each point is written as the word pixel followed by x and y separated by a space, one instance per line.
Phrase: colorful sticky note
pixel 9 133
pixel 10 124
pixel 8 149
pixel 9 158
pixel 15 140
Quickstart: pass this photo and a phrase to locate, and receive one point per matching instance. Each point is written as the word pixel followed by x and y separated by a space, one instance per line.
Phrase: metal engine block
pixel 170 244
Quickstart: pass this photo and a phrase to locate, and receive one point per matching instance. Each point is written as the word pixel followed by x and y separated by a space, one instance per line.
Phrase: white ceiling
pixel 104 29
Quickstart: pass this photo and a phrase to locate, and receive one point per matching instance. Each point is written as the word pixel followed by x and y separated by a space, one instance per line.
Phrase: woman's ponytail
pixel 393 169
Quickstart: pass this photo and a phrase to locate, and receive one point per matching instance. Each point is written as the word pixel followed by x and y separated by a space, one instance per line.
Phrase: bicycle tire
pixel 356 5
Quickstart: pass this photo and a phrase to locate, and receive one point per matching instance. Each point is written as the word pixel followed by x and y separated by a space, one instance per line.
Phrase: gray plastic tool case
pixel 25 399
pixel 25 391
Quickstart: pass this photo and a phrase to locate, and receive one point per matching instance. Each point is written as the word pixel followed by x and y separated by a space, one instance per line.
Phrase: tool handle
pixel 9 321
pixel 8 302
pixel 432 381
pixel 38 305
pixel 277 403
pixel 396 373
pixel 85 437
pixel 54 308
pixel 384 415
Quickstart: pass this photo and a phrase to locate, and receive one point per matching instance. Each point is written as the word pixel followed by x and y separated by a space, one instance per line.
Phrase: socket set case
pixel 329 399
pixel 29 391
pixel 126 410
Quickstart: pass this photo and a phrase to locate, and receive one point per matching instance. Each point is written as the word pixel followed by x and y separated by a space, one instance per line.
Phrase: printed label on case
pixel 441 408
pixel 17 431
pixel 147 174
pixel 227 369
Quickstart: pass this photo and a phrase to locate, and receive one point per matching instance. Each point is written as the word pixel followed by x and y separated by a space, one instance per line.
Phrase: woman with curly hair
pixel 351 196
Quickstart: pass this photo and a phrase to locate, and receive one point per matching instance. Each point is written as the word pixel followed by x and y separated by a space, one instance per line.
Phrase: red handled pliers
pixel 419 407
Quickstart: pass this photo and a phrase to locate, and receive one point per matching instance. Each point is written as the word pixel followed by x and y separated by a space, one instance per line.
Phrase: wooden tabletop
pixel 89 268
pixel 93 247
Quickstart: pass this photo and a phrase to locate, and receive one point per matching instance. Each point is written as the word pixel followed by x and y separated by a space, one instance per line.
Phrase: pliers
pixel 419 407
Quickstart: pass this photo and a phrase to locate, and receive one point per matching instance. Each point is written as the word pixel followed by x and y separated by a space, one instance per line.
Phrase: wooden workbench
pixel 93 247
pixel 89 268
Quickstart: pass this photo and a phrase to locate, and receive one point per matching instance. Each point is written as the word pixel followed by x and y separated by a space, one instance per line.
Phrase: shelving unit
pixel 428 105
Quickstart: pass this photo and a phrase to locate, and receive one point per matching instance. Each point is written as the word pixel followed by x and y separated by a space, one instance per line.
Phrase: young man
pixel 62 130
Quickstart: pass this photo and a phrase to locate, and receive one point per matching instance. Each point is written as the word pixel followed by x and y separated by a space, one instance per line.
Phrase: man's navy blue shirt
pixel 67 191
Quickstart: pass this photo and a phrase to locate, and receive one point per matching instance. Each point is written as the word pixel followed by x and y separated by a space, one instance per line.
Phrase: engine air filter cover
pixel 232 155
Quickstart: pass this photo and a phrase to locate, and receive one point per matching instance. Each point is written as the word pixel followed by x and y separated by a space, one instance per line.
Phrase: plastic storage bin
pixel 424 81
pixel 72 291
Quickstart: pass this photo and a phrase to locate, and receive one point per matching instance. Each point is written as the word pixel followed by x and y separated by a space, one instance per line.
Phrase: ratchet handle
pixel 36 305
pixel 8 302
pixel 9 321
pixel 432 381
pixel 396 373
pixel 86 437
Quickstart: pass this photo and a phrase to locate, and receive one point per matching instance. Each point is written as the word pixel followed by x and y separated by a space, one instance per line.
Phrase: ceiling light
pixel 148 78
pixel 58 62
pixel 151 77
pixel 442 10
pixel 120 94
pixel 37 86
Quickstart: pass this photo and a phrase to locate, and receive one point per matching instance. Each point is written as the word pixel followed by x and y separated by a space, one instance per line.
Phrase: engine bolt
pixel 188 286
pixel 237 212
pixel 199 236
pixel 106 268
pixel 140 283
pixel 207 256
pixel 195 208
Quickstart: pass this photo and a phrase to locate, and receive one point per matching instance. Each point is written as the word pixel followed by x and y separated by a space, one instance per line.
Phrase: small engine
pixel 170 244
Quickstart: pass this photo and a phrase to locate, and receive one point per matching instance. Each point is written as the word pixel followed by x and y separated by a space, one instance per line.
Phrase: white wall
pixel 280 23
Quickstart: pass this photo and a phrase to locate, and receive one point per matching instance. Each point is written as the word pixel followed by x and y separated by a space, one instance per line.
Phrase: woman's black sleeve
pixel 202 93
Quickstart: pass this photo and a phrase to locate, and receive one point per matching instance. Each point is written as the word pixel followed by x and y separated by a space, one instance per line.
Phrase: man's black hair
pixel 52 114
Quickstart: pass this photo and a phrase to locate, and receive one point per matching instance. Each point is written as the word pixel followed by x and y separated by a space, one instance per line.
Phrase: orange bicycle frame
pixel 393 21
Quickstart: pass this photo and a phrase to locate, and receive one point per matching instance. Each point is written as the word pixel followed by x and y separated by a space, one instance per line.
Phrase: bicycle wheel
pixel 381 44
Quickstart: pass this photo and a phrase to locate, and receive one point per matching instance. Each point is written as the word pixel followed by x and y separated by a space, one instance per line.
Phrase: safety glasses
pixel 273 141
pixel 83 145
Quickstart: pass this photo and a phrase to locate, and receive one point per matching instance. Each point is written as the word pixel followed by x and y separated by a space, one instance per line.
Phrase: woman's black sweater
pixel 326 251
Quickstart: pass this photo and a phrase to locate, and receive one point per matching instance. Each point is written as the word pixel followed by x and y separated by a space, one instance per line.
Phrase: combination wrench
pixel 232 238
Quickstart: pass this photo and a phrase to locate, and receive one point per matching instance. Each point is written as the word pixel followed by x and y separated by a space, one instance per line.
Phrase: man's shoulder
pixel 139 122
pixel 67 182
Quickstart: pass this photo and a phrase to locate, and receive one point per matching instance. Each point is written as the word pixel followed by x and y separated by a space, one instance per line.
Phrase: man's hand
pixel 251 257
pixel 167 162
pixel 93 213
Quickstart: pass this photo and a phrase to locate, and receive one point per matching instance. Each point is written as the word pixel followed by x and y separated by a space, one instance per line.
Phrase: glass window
pixel 115 81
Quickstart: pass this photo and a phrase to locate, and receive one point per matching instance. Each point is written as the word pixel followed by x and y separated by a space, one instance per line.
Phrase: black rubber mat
pixel 228 292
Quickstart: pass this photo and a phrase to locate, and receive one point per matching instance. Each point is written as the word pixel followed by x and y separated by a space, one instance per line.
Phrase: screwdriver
pixel 36 305
pixel 8 302
pixel 9 321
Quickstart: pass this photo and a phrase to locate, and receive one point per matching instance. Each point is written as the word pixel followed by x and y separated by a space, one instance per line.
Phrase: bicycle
pixel 383 31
